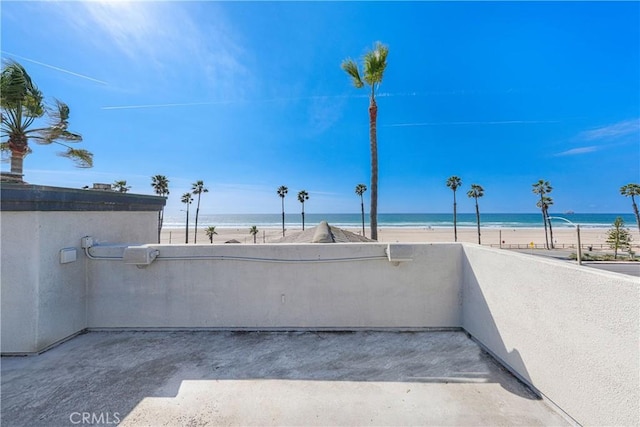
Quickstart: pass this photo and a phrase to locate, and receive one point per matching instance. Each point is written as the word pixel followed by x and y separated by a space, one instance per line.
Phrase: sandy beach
pixel 505 237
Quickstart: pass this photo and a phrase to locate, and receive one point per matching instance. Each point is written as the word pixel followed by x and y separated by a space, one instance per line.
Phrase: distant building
pixel 102 187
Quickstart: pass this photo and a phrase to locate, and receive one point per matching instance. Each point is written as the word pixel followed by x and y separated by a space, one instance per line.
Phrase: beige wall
pixel 43 301
pixel 572 332
pixel 244 294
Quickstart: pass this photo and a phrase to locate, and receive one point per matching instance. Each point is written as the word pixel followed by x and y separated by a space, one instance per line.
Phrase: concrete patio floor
pixel 266 378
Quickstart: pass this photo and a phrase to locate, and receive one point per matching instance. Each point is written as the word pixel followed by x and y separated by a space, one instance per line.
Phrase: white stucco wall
pixel 19 272
pixel 227 293
pixel 42 300
pixel 572 332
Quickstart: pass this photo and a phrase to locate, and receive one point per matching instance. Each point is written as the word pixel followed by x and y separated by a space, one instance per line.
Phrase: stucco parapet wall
pixel 25 197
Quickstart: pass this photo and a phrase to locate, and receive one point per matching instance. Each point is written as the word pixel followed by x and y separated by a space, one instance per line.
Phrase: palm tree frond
pixel 453 182
pixel 360 189
pixel 375 62
pixel 351 68
pixel 17 90
pixel 81 158
pixel 160 185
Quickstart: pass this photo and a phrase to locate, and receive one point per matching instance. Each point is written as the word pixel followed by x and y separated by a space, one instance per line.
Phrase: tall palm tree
pixel 210 232
pixel 254 231
pixel 476 192
pixel 302 197
pixel 453 182
pixel 121 186
pixel 282 192
pixel 22 103
pixel 187 199
pixel 373 65
pixel 544 204
pixel 160 185
pixel 549 202
pixel 632 190
pixel 197 188
pixel 541 188
pixel 360 189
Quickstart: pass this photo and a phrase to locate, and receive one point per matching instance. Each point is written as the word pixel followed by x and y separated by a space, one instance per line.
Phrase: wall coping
pixel 28 197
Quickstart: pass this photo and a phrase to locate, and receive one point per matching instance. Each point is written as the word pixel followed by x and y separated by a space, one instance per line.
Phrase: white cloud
pixel 614 131
pixel 606 137
pixel 579 150
pixel 171 38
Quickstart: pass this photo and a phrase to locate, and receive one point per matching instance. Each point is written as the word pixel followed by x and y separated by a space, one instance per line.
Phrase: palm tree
pixel 22 103
pixel 543 187
pixel 549 202
pixel 632 190
pixel 187 199
pixel 121 186
pixel 453 182
pixel 160 185
pixel 544 204
pixel 360 189
pixel 197 188
pixel 476 192
pixel 302 197
pixel 210 232
pixel 282 191
pixel 253 230
pixel 374 64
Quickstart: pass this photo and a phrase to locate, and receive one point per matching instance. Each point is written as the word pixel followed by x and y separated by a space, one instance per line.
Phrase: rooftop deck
pixel 267 378
pixel 568 332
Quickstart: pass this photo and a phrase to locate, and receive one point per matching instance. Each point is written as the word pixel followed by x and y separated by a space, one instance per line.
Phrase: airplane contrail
pixel 502 122
pixel 55 68
pixel 184 104
pixel 280 99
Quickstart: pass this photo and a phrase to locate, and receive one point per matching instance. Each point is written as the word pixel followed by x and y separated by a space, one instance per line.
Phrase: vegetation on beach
pixel 619 237
pixel 602 257
pixel 476 192
pixel 542 188
pixel 160 185
pixel 374 64
pixel 453 182
pixel 282 192
pixel 253 231
pixel 360 189
pixel 302 197
pixel 210 231
pixel 197 188
pixel 121 186
pixel 186 199
pixel 632 190
pixel 22 104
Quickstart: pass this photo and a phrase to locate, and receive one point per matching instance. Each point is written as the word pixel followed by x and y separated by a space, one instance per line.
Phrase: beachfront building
pixel 370 333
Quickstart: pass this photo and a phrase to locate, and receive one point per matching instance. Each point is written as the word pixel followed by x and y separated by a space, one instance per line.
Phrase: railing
pixel 542 246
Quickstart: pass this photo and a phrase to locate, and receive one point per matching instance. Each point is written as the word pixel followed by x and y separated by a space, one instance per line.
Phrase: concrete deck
pixel 266 378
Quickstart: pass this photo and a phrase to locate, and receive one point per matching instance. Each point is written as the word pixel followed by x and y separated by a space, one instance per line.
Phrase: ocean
pixel 414 220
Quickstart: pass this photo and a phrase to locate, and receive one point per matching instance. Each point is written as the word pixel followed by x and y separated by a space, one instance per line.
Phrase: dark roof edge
pixel 28 197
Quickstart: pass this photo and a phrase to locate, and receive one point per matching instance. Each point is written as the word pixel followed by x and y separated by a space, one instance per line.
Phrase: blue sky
pixel 248 96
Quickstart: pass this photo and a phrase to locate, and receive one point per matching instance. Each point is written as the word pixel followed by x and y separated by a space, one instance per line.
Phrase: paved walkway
pixel 268 378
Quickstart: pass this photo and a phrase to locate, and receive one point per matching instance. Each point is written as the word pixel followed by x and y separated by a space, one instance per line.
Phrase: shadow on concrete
pixel 112 372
